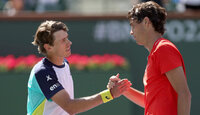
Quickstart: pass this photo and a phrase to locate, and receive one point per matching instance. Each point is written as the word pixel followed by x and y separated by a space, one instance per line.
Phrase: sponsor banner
pixel 119 31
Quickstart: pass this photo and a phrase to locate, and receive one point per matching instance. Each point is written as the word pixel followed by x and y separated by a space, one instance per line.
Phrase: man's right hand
pixel 117 86
pixel 113 79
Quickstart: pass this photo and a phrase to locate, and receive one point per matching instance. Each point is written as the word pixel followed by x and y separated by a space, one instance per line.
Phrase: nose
pixel 69 42
pixel 131 32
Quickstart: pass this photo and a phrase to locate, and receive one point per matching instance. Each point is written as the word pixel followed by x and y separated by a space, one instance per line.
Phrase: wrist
pixel 111 93
pixel 127 91
pixel 106 95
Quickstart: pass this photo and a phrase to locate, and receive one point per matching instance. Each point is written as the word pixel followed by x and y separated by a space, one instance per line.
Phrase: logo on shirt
pixel 48 77
pixel 54 86
pixel 107 97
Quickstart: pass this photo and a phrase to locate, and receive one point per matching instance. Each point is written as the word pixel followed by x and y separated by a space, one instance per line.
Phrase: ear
pixel 146 22
pixel 47 47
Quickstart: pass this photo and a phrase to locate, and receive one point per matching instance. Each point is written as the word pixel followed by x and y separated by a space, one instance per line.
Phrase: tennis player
pixel 165 87
pixel 50 86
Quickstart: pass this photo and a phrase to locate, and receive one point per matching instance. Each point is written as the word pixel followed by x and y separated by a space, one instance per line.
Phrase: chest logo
pixel 48 77
pixel 54 86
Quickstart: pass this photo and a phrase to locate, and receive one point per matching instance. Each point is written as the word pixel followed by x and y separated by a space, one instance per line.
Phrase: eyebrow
pixel 65 37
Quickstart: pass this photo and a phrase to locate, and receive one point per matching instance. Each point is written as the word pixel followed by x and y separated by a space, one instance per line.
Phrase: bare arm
pixel 135 96
pixel 178 81
pixel 132 94
pixel 73 106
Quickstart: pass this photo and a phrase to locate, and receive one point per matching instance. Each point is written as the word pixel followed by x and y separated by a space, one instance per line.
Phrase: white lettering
pixel 48 77
pixel 119 31
pixel 100 32
pixel 112 31
pixel 53 87
pixel 175 30
pixel 192 29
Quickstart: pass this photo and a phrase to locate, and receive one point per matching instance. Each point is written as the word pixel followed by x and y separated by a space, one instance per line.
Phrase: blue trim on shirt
pixel 48 63
pixel 47 78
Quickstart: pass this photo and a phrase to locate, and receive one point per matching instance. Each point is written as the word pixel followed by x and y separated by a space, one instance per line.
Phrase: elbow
pixel 189 95
pixel 70 110
pixel 186 95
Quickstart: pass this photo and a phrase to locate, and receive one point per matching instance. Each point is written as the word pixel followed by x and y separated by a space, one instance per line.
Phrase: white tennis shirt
pixel 46 79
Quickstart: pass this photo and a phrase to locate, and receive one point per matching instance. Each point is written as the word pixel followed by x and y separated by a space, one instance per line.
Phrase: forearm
pixel 184 104
pixel 84 103
pixel 178 81
pixel 135 96
pixel 73 106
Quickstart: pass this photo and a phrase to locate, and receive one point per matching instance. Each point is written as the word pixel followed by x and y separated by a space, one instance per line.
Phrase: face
pixel 62 45
pixel 138 32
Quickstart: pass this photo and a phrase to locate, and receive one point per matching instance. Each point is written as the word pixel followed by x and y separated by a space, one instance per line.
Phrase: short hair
pixel 153 11
pixel 44 34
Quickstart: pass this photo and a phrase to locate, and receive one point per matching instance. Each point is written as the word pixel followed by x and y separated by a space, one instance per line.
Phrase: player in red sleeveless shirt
pixel 166 91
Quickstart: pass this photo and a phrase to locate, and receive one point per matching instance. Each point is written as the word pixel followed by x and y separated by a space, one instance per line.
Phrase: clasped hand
pixel 118 86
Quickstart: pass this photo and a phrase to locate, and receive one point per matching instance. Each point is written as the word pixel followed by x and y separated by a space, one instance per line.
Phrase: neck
pixel 151 40
pixel 55 60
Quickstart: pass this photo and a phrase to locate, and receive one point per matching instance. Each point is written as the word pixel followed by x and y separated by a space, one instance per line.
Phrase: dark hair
pixel 44 34
pixel 153 11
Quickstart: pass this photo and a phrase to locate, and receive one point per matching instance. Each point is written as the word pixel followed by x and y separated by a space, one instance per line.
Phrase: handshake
pixel 118 86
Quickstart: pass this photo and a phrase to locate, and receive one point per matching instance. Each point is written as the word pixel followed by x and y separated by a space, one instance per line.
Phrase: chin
pixel 68 54
pixel 138 43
